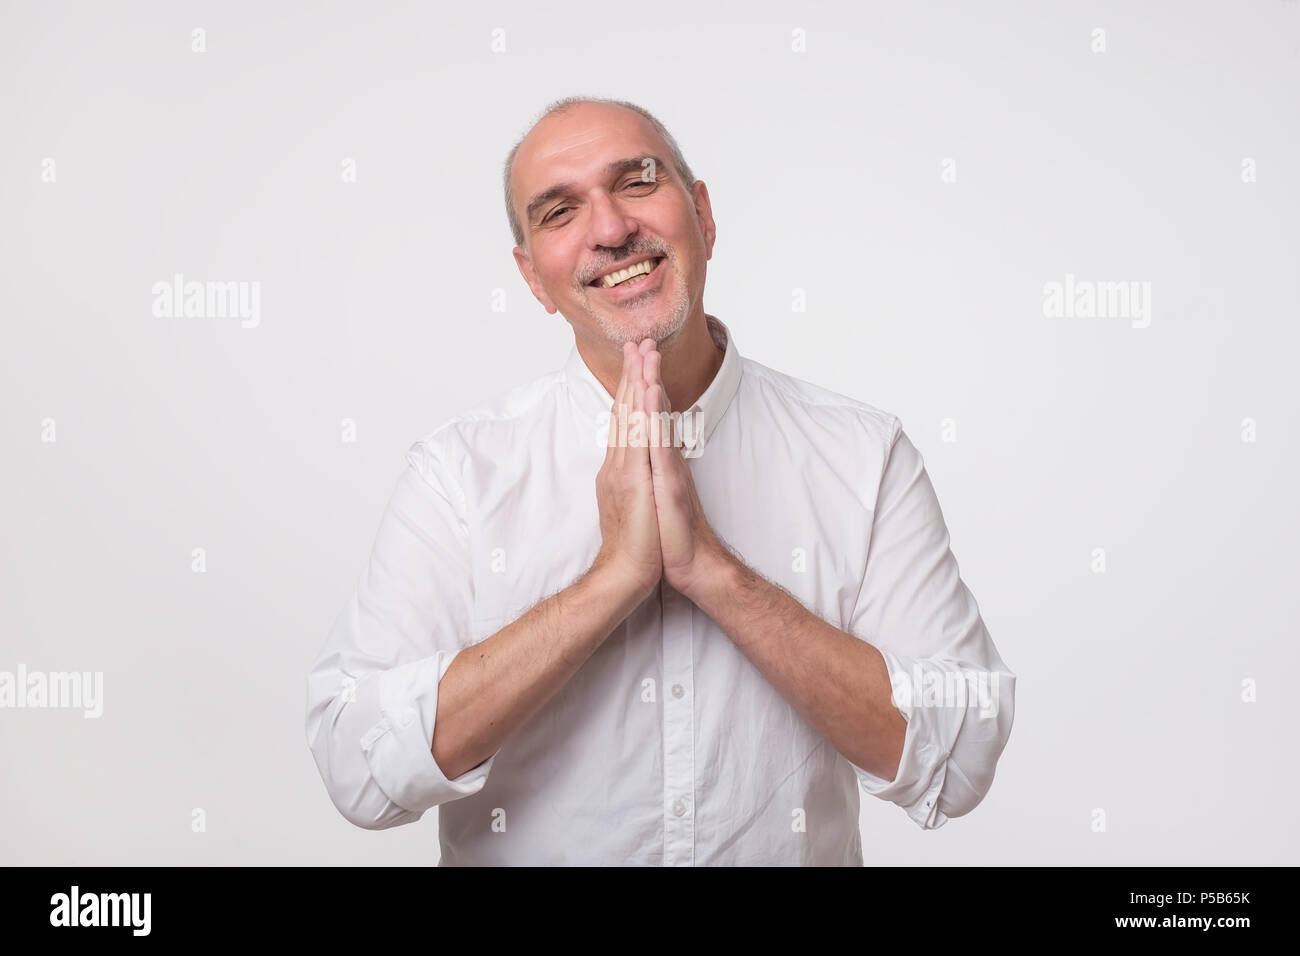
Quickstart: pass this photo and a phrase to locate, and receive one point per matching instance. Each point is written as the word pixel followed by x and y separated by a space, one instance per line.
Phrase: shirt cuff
pixel 399 749
pixel 923 766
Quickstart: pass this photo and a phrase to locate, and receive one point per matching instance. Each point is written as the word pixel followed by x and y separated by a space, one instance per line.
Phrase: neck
pixel 691 359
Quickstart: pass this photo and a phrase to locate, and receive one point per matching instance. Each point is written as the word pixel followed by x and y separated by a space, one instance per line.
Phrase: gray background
pixel 925 298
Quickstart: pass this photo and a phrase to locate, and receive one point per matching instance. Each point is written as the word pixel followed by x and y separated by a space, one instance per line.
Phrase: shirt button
pixel 678 690
pixel 679 808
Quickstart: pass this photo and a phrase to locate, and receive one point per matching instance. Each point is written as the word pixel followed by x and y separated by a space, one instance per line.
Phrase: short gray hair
pixel 678 160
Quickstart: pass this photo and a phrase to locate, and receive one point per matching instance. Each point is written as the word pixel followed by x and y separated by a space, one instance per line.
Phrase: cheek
pixel 564 273
pixel 558 278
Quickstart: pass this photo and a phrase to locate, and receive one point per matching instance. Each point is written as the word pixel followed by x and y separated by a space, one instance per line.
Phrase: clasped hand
pixel 651 522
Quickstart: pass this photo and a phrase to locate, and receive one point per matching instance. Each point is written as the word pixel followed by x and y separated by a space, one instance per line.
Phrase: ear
pixel 525 264
pixel 704 213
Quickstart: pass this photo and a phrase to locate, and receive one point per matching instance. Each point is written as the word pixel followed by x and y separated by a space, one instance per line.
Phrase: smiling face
pixel 595 190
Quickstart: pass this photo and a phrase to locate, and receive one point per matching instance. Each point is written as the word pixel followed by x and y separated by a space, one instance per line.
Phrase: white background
pixel 924 298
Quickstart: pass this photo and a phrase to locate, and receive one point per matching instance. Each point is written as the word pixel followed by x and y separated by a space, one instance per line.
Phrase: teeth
pixel 636 269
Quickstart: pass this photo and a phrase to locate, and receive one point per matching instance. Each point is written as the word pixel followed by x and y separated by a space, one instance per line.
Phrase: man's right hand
pixel 629 527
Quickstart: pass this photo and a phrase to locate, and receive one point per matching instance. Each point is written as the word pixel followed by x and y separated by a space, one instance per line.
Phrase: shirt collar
pixel 708 409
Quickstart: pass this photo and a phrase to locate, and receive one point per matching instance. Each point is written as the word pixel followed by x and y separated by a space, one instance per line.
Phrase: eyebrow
pixel 617 168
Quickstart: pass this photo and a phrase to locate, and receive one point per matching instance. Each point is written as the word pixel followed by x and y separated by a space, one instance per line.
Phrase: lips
pixel 599 281
pixel 635 286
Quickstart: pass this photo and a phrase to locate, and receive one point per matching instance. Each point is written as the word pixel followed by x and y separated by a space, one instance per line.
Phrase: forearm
pixel 837 682
pixel 492 688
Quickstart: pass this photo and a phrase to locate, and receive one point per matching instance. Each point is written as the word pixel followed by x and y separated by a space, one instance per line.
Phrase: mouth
pixel 635 278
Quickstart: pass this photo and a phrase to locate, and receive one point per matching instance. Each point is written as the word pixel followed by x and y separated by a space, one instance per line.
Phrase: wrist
pixel 623 585
pixel 714 573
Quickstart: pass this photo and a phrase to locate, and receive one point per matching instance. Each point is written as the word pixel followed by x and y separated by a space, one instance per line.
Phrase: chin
pixel 619 329
pixel 631 325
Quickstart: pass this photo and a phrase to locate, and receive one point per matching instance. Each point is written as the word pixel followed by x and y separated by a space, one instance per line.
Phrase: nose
pixel 609 226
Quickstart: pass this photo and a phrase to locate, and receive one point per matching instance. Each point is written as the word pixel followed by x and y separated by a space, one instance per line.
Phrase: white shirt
pixel 667 747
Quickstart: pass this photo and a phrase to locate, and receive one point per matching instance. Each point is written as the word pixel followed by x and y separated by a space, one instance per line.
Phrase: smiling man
pixel 694 640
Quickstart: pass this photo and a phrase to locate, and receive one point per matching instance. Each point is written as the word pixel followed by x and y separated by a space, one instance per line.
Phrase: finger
pixel 621 394
pixel 672 430
pixel 639 401
pixel 620 403
pixel 654 403
pixel 637 388
pixel 655 430
pixel 652 362
pixel 637 415
pixel 612 438
pixel 654 373
pixel 646 345
pixel 660 463
pixel 637 367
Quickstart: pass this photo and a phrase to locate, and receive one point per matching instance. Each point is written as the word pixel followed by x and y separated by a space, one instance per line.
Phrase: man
pixel 665 605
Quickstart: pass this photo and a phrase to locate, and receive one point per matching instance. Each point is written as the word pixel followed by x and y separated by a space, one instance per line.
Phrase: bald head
pixel 579 110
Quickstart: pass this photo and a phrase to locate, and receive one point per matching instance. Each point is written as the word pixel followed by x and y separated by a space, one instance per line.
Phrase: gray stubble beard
pixel 664 330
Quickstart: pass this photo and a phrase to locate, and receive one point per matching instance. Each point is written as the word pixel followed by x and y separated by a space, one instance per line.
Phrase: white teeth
pixel 636 269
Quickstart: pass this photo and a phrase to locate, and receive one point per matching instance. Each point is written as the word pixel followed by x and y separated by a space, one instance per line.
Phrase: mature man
pixel 664 605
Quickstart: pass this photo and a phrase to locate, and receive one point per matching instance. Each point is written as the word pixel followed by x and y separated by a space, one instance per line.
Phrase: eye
pixel 553 213
pixel 640 182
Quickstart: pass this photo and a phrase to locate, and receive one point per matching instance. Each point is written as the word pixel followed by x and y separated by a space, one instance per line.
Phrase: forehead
pixel 577 143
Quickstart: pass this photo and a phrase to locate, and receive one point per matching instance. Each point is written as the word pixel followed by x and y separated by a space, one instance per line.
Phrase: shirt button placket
pixel 679 730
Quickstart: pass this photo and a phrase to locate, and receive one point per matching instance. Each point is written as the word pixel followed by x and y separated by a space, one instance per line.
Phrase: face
pixel 594 188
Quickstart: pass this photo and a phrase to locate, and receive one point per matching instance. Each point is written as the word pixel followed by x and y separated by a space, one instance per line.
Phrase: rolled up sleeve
pixel 949 683
pixel 372 693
